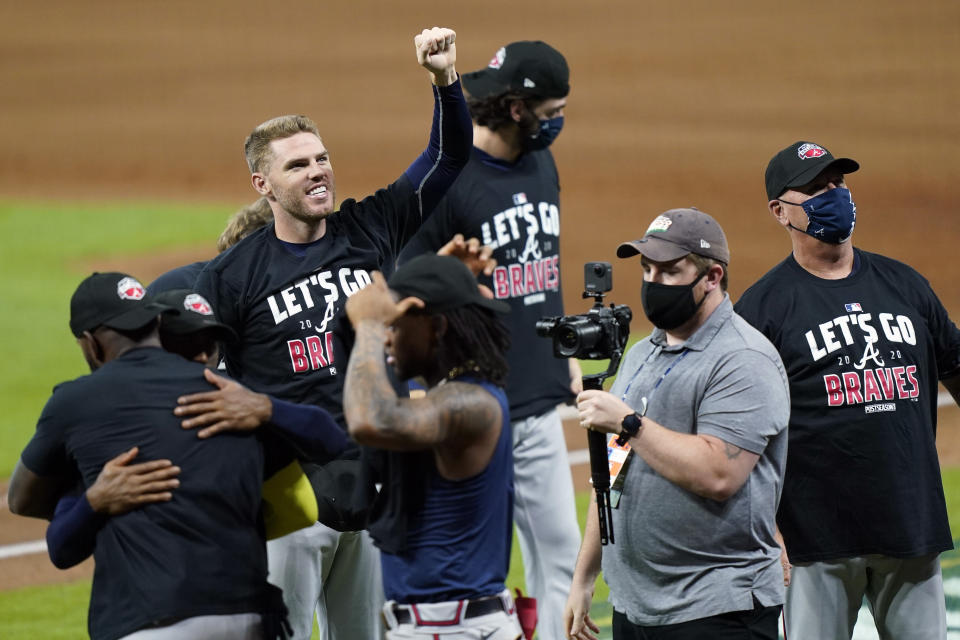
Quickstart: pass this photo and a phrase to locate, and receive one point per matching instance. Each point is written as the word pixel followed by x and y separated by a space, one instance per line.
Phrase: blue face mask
pixel 832 216
pixel 549 130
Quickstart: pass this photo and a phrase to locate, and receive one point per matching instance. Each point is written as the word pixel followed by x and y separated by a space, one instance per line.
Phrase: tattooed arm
pixel 461 422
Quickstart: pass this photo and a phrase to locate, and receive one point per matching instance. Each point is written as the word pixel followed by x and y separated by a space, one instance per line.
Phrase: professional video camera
pixel 597 334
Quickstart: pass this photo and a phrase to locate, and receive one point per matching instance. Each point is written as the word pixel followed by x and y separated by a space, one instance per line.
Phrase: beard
pixel 292 202
pixel 529 124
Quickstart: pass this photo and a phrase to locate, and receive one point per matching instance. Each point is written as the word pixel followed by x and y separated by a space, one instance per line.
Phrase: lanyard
pixel 618 458
pixel 659 381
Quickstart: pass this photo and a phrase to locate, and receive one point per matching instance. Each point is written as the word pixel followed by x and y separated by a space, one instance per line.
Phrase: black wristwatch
pixel 629 427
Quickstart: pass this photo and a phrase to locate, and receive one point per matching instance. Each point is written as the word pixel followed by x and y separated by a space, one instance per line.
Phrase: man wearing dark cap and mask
pixel 703 405
pixel 446 551
pixel 191 567
pixel 508 195
pixel 865 340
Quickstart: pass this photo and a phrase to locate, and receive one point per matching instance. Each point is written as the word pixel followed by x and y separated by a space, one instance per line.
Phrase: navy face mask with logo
pixel 832 216
pixel 549 130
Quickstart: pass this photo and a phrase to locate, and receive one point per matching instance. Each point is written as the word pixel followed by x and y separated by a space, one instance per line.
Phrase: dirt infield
pixel 673 104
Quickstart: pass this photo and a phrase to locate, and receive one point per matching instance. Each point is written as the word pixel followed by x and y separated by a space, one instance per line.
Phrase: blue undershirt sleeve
pixel 72 534
pixel 309 428
pixel 451 138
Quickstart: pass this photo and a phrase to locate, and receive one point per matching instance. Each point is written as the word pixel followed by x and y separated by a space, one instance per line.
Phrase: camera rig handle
pixel 597 446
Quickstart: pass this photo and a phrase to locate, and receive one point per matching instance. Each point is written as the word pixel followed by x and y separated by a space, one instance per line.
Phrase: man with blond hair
pixel 283 290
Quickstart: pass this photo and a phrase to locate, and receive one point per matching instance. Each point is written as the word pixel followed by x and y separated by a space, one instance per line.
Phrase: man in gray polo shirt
pixel 703 403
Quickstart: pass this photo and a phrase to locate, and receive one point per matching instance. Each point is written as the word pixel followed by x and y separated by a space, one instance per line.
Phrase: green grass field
pixel 44 250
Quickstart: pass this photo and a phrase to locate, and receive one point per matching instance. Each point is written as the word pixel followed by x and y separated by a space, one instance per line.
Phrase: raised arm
pixel 376 416
pixel 437 53
pixel 451 135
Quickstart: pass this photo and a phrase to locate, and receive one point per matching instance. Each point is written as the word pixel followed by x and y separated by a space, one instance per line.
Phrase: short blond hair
pixel 244 222
pixel 257 146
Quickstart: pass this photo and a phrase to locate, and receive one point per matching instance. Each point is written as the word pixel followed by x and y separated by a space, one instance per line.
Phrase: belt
pixel 474 609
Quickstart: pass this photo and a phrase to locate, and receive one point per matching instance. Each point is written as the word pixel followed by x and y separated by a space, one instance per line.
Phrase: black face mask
pixel 668 306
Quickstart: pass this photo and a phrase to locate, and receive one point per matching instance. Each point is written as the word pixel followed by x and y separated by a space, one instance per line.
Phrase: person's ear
pixel 714 276
pixel 517 110
pixel 779 212
pixel 261 184
pixel 92 350
pixel 440 326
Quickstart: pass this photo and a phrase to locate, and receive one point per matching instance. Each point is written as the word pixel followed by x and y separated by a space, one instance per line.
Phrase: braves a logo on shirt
pixel 880 374
pixel 298 306
pixel 524 234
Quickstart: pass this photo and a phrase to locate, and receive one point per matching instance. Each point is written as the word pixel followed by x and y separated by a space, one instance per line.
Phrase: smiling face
pixel 299 178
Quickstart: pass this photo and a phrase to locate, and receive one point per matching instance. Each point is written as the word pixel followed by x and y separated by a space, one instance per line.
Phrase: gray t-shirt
pixel 678 556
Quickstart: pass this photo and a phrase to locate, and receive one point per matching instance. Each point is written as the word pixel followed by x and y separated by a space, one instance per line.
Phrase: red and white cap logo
pixel 497 60
pixel 809 150
pixel 198 304
pixel 130 289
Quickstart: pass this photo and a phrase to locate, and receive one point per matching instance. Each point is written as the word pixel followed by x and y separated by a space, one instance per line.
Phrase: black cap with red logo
pixel 113 300
pixel 799 164
pixel 196 314
pixel 530 67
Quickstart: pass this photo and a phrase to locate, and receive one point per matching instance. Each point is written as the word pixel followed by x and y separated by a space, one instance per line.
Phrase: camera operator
pixel 703 403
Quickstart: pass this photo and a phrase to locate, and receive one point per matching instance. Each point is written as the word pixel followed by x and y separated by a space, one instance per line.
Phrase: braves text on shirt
pixel 315 351
pixel 862 384
pixel 532 272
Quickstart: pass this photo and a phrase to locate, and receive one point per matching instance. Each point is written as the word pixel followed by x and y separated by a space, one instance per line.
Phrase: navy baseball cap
pixel 530 67
pixel 113 300
pixel 678 232
pixel 196 314
pixel 442 282
pixel 799 164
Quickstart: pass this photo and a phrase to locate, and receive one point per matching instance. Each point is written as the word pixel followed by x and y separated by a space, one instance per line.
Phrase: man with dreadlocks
pixel 444 530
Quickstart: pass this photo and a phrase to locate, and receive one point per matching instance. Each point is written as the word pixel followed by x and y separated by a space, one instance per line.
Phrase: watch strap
pixel 629 427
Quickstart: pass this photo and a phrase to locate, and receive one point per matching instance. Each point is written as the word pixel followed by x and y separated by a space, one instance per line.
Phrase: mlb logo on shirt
pixel 853 306
pixel 519 198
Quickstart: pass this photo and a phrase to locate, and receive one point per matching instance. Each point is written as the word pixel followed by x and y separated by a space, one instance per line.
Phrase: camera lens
pixel 577 337
pixel 568 340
